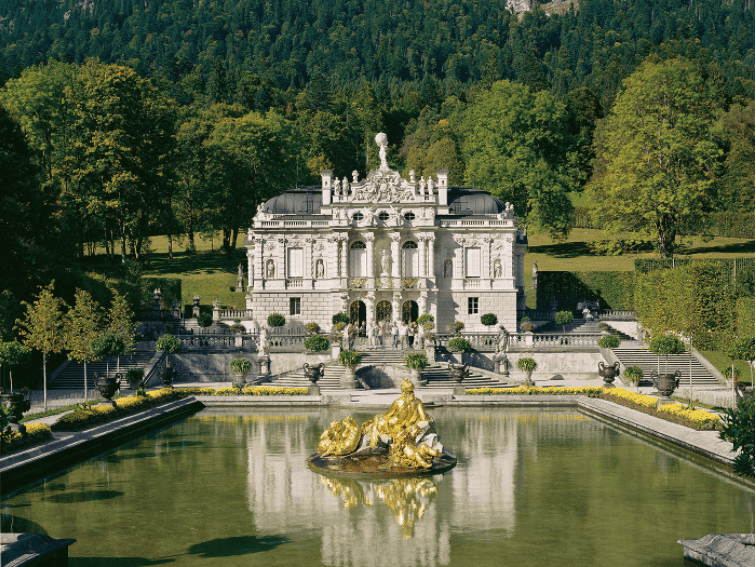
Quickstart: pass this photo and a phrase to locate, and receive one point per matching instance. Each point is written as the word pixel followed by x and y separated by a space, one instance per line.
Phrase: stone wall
pixel 213 366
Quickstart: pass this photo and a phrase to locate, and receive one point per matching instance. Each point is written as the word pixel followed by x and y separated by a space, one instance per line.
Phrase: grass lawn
pixel 721 361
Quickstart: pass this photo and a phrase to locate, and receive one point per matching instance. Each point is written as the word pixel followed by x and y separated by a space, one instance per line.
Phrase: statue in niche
pixel 447 269
pixel 382 140
pixel 385 264
pixel 497 268
pixel 270 269
pixel 319 269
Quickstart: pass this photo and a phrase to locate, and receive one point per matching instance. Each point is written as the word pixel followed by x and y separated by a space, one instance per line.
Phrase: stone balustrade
pixel 618 315
pixel 243 314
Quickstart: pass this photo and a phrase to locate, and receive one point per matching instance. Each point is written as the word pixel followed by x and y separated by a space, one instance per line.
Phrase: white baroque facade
pixel 385 247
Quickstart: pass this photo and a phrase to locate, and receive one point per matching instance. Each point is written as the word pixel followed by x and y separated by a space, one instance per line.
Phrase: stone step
pixel 72 378
pixel 648 362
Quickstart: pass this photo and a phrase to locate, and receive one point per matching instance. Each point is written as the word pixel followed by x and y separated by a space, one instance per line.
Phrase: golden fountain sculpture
pixel 400 442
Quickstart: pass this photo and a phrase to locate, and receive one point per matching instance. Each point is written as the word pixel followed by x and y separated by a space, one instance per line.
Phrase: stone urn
pixel 313 373
pixel 666 384
pixel 107 387
pixel 458 372
pixel 18 403
pixel 168 375
pixel 608 372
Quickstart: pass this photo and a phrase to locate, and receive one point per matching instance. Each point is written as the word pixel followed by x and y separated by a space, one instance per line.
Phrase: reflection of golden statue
pixel 352 492
pixel 341 438
pixel 405 412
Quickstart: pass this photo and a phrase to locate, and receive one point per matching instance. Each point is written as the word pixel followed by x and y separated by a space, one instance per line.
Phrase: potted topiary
pixel 526 326
pixel 276 320
pixel 416 362
pixel 456 327
pixel 312 328
pixel 204 320
pixel 241 367
pixel 634 375
pixel 340 317
pixel 335 338
pixel 528 366
pixel 458 346
pixel 349 359
pixel 563 318
pixel 489 319
pixel 665 345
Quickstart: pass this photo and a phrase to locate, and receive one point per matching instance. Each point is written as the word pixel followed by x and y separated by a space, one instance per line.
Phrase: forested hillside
pixel 284 44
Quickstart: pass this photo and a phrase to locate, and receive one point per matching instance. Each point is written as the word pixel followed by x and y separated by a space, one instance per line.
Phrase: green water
pixel 534 487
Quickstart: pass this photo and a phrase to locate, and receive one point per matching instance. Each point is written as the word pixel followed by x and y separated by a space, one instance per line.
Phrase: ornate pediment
pixel 383 186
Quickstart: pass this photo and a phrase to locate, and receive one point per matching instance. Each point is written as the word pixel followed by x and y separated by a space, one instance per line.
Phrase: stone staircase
pixel 579 327
pixel 72 378
pixel 437 374
pixel 640 356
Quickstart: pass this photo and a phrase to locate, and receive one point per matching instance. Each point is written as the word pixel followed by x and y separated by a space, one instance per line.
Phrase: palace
pixel 386 248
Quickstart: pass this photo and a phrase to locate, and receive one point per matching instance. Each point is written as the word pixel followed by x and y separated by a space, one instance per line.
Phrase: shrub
pixel 134 376
pixel 458 344
pixel 276 320
pixel 489 319
pixel 349 358
pixel 340 317
pixel 456 327
pixel 36 433
pixel 527 364
pixel 204 320
pixel 727 373
pixel 634 375
pixel 738 429
pixel 426 318
pixel 316 343
pixel 168 343
pixel 609 341
pixel 416 361
pixel 240 366
pixel 312 328
pixel 237 328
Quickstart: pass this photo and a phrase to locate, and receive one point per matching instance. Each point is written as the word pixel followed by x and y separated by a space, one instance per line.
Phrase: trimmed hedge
pixel 613 290
pixel 744 313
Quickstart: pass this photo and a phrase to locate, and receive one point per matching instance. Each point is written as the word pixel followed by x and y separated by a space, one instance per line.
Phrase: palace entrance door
pixel 409 311
pixel 357 312
pixel 383 311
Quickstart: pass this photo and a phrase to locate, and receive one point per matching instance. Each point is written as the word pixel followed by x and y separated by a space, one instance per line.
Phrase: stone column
pixel 395 260
pixel 344 259
pixel 259 252
pixel 250 269
pixel 486 253
pixel 369 310
pixel 509 256
pixel 421 263
pixel 308 268
pixel 459 261
pixel 370 243
pixel 396 307
pixel 432 260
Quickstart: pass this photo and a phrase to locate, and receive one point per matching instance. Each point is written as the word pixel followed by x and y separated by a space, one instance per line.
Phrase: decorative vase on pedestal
pixel 608 372
pixel 18 403
pixel 666 384
pixel 107 387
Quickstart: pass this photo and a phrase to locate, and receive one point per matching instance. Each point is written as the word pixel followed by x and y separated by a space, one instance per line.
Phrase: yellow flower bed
pixel 184 392
pixel 226 392
pixel 272 391
pixel 36 433
pixel 700 417
pixel 639 399
pixel 524 391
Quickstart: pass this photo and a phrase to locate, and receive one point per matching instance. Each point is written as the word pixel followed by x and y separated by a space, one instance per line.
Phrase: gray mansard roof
pixel 463 201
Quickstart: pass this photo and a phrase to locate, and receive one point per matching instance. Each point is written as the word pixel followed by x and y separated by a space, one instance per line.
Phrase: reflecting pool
pixel 532 487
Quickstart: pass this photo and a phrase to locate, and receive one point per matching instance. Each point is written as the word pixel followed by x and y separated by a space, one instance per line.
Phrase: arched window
pixel 409 251
pixel 358 260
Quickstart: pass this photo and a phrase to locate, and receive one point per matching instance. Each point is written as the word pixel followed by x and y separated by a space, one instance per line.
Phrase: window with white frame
pixel 409 249
pixel 358 260
pixel 472 305
pixel 295 306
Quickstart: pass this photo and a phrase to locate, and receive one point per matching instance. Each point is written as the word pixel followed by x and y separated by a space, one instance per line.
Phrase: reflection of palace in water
pixel 410 521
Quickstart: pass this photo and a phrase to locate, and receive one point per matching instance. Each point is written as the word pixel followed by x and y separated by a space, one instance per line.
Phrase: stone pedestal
pixel 347 380
pixel 458 391
pixel 264 361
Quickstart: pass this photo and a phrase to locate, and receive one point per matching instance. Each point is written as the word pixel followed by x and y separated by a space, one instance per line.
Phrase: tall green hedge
pixel 744 309
pixel 613 290
pixel 169 287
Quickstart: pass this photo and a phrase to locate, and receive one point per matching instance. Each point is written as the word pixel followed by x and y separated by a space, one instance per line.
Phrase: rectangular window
pixel 294 306
pixel 472 262
pixel 472 305
pixel 296 263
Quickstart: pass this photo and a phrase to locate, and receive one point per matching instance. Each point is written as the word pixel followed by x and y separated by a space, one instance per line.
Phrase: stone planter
pixel 348 380
pixel 313 373
pixel 18 403
pixel 502 363
pixel 458 372
pixel 430 353
pixel 666 384
pixel 107 387
pixel 238 341
pixel 608 373
pixel 264 361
